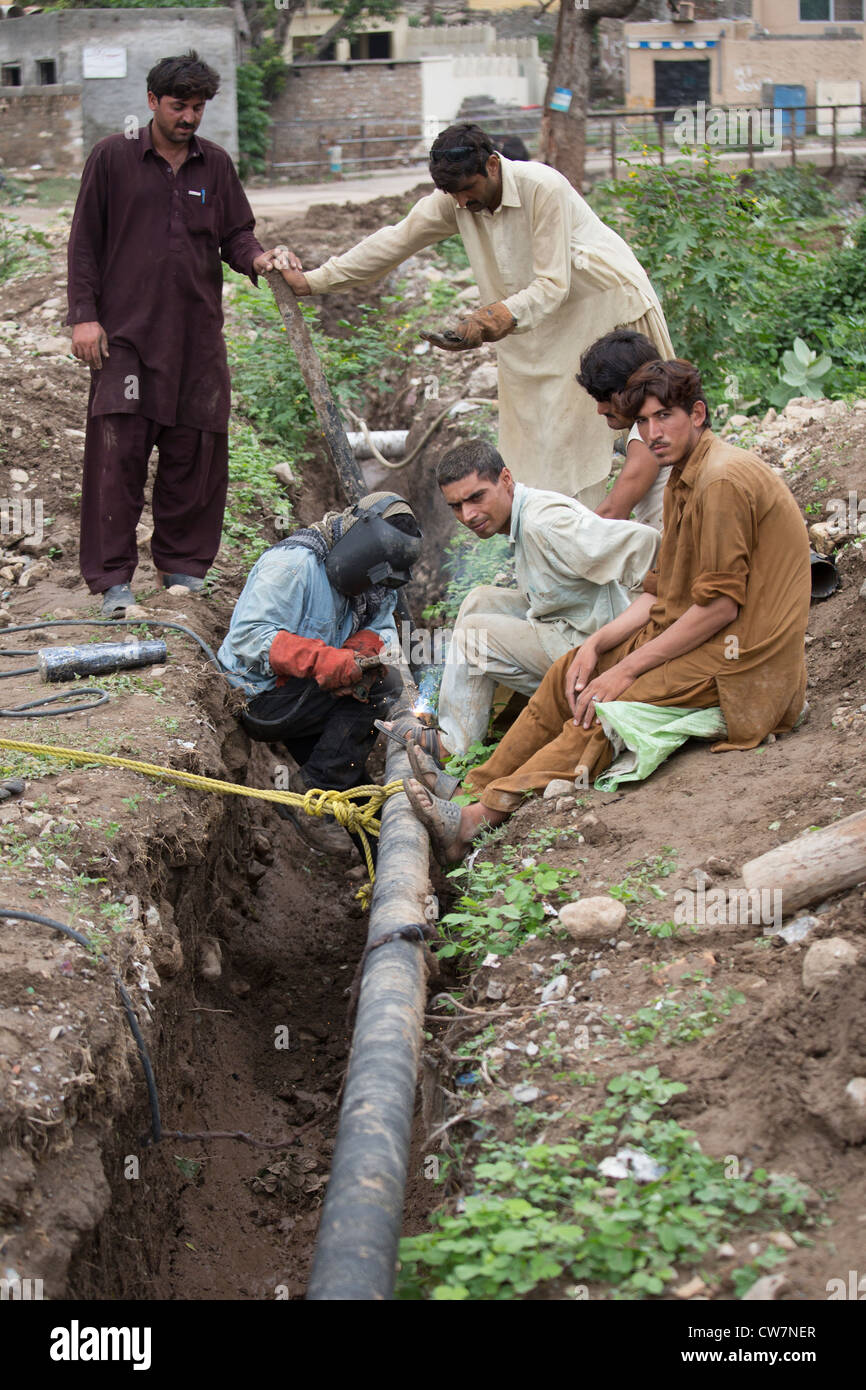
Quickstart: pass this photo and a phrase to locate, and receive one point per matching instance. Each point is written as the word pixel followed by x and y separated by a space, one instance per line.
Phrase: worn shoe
pixel 321 833
pixel 116 600
pixel 187 581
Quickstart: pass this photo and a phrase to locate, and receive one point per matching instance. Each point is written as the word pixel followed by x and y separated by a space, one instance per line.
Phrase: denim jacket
pixel 287 590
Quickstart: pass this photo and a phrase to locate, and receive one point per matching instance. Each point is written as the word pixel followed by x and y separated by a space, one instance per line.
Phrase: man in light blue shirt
pixel 307 641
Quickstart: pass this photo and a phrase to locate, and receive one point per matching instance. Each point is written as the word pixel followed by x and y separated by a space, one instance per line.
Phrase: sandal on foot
pixel 441 820
pixel 410 731
pixel 430 775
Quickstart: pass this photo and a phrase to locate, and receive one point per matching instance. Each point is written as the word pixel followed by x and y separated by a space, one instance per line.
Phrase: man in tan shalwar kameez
pixel 553 278
pixel 722 619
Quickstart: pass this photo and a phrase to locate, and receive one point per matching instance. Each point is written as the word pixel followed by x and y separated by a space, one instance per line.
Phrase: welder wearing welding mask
pixel 307 643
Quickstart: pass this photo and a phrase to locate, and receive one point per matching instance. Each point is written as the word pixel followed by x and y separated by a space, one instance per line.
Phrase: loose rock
pixel 558 787
pixel 826 959
pixel 593 919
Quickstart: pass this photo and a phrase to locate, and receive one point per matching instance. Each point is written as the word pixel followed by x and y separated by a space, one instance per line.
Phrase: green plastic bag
pixel 642 736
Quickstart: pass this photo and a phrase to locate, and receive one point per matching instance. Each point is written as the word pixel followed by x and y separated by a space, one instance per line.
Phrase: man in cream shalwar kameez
pixel 565 277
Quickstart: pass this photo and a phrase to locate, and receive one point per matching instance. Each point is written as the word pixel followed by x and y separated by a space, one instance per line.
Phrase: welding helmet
pixel 380 543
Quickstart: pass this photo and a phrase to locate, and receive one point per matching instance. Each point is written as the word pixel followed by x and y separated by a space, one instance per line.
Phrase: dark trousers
pixel 189 494
pixel 330 738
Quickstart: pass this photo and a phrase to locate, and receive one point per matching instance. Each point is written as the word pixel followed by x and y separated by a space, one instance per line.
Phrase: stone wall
pixel 144 36
pixel 41 125
pixel 373 110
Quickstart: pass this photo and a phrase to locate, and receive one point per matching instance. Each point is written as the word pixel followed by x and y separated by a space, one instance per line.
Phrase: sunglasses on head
pixel 457 152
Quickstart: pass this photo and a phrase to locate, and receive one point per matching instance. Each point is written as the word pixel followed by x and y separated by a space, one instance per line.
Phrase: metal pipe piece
pixel 356 1250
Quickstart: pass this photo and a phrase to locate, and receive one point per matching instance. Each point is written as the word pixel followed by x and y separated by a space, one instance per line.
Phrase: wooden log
pixel 327 410
pixel 814 865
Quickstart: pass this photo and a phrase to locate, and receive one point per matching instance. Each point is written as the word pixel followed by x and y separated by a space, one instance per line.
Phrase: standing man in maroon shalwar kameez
pixel 156 214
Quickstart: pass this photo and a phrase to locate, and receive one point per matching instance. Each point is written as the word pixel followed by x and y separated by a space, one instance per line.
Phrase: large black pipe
pixel 356 1250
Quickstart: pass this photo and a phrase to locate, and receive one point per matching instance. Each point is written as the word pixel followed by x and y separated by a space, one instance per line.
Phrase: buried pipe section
pixel 356 1249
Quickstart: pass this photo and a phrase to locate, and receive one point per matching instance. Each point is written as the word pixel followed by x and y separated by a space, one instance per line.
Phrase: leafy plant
pixel 478 924
pixel 21 252
pixel 801 374
pixel 677 1021
pixel 544 1212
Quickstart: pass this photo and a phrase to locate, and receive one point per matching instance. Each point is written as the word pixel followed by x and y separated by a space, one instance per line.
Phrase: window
pixel 831 11
pixel 379 45
pixel 46 72
pixel 10 75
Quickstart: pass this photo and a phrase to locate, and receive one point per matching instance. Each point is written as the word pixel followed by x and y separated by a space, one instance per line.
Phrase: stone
pixel 37 545
pixel 556 989
pixel 694 1286
pixel 798 930
pixel 45 347
pixel 827 959
pixel 697 962
pixel 736 422
pixel 33 573
pixel 471 295
pixel 593 830
pixel 152 918
pixel 210 958
pixel 770 416
pixel 5 617
pixel 564 803
pixel 825 536
pixel 494 990
pixel 593 919
pixel 526 1094
pixel 624 945
pixel 850 1122
pixel 599 974
pixel 18 475
pixel 726 1252
pixel 483 380
pixel 558 787
pixel 766 1289
pixel 782 1240
pixel 284 474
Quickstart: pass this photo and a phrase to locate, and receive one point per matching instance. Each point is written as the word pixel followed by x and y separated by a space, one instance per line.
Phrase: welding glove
pixel 486 325
pixel 365 643
pixel 309 658
pixel 368 645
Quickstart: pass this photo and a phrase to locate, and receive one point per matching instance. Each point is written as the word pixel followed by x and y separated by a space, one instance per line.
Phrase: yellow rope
pixel 363 820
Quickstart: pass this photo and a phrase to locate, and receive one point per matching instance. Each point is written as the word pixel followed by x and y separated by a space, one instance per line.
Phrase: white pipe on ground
pixel 390 443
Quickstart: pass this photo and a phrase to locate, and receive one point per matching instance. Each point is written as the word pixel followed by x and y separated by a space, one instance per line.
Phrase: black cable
pixel 24 711
pixel 155 1122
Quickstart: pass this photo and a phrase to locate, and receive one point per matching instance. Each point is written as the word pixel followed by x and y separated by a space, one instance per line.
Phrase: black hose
pixel 155 1122
pixel 25 711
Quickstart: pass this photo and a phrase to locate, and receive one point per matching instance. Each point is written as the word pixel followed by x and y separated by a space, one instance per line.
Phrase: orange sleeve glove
pixel 365 643
pixel 309 658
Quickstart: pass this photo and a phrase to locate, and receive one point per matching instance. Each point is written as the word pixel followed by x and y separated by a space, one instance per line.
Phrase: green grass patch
pixel 544 1212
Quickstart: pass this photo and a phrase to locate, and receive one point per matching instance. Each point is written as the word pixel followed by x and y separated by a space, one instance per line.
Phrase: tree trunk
pixel 814 865
pixel 563 133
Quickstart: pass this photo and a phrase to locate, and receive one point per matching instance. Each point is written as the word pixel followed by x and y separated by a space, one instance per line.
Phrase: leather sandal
pixel 441 820
pixel 429 773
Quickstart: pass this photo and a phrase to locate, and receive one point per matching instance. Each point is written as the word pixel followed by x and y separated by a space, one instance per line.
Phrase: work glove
pixel 486 325
pixel 309 658
pixel 365 643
